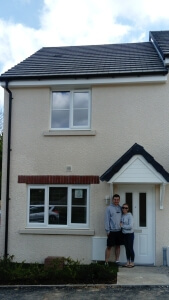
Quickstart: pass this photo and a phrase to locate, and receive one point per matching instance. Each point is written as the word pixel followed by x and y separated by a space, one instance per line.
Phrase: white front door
pixel 141 200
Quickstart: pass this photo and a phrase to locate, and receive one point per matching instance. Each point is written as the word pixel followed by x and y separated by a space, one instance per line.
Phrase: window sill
pixel 69 132
pixel 55 231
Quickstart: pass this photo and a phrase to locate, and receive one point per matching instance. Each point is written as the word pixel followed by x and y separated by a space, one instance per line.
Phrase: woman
pixel 128 234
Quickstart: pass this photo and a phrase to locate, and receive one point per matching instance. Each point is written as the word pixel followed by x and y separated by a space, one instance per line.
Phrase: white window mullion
pixel 46 204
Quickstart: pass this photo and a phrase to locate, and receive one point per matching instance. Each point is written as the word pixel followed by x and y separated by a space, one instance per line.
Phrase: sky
pixel 28 25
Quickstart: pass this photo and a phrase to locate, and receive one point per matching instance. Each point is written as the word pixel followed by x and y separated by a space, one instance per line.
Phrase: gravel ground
pixel 85 292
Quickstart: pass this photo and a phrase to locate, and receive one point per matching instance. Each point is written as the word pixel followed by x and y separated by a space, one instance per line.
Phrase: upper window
pixel 70 110
pixel 58 206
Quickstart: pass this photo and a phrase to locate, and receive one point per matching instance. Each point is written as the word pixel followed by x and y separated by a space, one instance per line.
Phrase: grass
pixel 65 272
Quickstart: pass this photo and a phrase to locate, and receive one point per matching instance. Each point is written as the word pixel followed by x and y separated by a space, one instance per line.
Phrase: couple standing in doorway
pixel 119 229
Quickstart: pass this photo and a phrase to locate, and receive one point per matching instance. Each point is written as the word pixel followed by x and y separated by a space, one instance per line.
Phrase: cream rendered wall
pixel 3 182
pixel 162 225
pixel 121 116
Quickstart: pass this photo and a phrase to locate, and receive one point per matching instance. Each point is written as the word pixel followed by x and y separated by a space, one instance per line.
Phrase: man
pixel 113 229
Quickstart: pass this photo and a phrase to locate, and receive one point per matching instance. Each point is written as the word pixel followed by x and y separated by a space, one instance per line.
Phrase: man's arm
pixel 107 221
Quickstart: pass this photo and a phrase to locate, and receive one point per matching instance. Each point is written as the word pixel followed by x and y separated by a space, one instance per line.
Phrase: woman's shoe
pixel 130 266
pixel 125 266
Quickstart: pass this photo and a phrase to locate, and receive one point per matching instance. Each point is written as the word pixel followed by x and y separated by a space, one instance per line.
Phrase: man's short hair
pixel 116 196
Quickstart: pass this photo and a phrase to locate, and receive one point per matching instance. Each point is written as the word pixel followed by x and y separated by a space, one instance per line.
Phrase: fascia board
pixel 86 82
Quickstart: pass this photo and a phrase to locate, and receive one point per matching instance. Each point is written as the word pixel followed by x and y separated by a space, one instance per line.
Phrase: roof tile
pixel 89 61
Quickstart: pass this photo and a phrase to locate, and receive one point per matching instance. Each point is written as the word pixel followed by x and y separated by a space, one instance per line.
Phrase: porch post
pixel 162 195
pixel 111 191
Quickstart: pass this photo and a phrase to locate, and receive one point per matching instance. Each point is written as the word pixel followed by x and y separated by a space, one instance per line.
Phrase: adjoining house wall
pixel 121 115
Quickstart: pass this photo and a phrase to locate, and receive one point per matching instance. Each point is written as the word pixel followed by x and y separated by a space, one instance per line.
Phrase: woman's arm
pixel 127 224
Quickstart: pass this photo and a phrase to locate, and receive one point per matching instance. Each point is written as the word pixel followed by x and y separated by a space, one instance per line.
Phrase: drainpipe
pixel 8 169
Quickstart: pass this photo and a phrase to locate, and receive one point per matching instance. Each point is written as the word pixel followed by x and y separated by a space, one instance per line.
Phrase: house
pixel 80 124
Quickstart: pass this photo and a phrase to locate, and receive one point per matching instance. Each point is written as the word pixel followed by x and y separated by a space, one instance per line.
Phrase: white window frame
pixel 69 225
pixel 71 127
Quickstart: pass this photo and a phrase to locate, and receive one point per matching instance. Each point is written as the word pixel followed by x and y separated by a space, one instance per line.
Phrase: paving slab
pixel 143 275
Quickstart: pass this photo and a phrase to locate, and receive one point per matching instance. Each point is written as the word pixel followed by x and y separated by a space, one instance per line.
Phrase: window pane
pixel 78 215
pixel 36 214
pixel 60 110
pixel 80 117
pixel 60 119
pixel 37 196
pixel 142 210
pixel 81 100
pixel 36 209
pixel 58 196
pixel 61 100
pixel 79 206
pixel 58 205
pixel 80 108
pixel 129 201
pixel 79 197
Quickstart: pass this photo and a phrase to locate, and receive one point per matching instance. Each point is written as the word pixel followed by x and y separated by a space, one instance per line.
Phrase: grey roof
pixel 130 59
pixel 136 149
pixel 161 41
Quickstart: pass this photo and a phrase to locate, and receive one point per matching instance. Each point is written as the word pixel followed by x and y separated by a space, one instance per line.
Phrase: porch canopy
pixel 137 166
